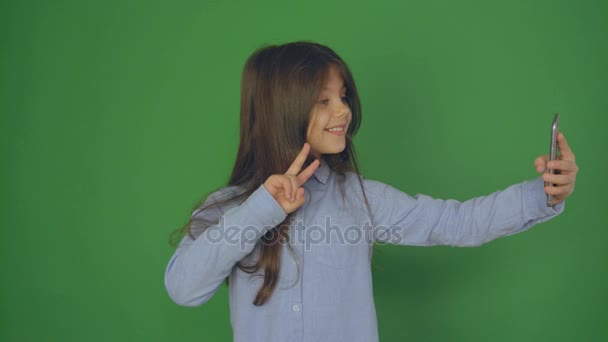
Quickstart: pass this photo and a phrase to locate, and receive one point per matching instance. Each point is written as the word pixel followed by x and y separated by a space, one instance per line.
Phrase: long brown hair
pixel 279 87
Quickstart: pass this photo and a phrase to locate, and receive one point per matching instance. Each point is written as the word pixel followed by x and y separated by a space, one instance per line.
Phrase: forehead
pixel 334 80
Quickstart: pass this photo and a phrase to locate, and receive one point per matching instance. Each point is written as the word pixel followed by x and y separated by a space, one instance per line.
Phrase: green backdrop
pixel 117 116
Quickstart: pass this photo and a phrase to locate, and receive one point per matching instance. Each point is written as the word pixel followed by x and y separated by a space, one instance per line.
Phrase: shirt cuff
pixel 242 226
pixel 264 207
pixel 535 201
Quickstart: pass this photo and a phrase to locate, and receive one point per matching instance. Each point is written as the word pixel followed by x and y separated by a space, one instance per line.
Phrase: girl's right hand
pixel 287 188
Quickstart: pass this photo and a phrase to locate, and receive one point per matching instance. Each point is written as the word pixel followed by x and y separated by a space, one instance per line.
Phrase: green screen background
pixel 117 116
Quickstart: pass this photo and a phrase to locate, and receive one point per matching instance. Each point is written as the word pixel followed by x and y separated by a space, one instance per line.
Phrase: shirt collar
pixel 322 172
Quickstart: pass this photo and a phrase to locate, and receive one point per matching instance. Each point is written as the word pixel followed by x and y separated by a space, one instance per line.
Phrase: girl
pixel 292 231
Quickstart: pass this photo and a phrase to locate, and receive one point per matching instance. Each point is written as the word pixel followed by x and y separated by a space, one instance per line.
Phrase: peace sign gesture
pixel 566 164
pixel 287 188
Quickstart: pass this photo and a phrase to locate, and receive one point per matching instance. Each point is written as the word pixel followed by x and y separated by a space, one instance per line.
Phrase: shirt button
pixel 296 307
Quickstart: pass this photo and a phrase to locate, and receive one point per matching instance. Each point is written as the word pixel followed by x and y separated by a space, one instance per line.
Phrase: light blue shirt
pixel 324 292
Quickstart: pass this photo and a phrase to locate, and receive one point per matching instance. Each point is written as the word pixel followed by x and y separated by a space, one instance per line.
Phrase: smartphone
pixel 553 152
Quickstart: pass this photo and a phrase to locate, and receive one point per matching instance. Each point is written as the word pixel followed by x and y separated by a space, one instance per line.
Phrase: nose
pixel 342 110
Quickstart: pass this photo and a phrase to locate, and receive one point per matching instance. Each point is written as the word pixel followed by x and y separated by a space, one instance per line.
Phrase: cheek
pixel 311 129
pixel 314 133
pixel 315 129
pixel 311 124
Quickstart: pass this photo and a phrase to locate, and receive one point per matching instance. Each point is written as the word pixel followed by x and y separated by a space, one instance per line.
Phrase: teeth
pixel 336 129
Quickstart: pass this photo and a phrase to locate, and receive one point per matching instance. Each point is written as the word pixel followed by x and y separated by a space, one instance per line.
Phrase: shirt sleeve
pixel 425 221
pixel 198 266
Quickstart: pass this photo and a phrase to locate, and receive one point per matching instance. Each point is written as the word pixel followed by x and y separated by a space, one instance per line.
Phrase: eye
pixel 324 102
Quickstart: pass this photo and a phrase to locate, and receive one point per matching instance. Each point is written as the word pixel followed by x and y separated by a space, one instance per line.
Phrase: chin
pixel 335 150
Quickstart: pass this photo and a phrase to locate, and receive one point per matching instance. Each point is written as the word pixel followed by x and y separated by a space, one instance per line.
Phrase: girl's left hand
pixel 566 164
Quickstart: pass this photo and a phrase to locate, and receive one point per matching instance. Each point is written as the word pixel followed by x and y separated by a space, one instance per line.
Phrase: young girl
pixel 292 231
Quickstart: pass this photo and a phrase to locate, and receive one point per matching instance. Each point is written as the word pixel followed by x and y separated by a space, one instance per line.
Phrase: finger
pixel 555 200
pixel 300 198
pixel 287 187
pixel 563 165
pixel 557 191
pixel 294 188
pixel 564 148
pixel 558 179
pixel 308 172
pixel 300 159
pixel 540 162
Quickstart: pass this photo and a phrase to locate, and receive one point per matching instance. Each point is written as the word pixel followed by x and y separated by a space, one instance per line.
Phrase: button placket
pixel 295 295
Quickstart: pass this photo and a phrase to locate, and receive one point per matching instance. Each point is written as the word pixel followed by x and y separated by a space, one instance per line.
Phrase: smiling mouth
pixel 339 131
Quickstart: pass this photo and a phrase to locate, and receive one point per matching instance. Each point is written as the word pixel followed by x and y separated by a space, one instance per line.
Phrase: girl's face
pixel 329 118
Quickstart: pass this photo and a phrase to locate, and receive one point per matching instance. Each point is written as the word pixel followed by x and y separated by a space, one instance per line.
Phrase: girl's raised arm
pixel 198 267
pixel 425 221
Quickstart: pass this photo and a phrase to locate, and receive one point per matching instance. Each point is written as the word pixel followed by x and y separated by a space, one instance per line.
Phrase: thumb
pixel 541 162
